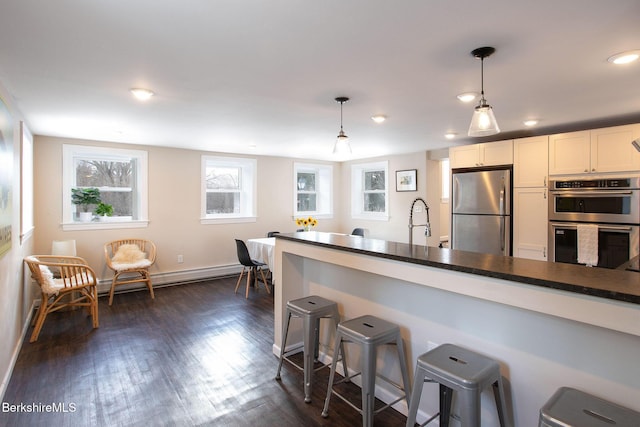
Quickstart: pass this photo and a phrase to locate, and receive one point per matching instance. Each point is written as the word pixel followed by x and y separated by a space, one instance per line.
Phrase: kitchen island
pixel 548 324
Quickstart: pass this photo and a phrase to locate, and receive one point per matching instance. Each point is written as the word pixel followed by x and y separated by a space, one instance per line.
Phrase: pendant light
pixel 483 122
pixel 342 145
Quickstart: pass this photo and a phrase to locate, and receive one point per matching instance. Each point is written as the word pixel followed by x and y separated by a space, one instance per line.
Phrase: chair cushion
pixel 51 286
pixel 118 266
pixel 128 254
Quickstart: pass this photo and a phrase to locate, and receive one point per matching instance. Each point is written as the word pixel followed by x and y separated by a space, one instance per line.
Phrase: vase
pixel 86 216
pixel 307 228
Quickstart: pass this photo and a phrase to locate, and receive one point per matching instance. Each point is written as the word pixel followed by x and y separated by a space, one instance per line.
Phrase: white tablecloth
pixel 262 250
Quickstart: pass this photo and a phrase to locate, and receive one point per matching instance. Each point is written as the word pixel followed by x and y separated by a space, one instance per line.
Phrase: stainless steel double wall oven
pixel 613 204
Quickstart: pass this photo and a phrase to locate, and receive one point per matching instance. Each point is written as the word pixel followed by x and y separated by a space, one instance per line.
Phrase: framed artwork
pixel 406 180
pixel 6 176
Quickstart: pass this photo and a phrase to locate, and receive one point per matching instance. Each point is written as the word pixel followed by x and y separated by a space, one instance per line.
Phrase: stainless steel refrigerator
pixel 481 210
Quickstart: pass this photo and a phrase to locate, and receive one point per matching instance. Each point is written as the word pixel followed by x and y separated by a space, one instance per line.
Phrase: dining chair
pixel 272 233
pixel 130 258
pixel 252 266
pixel 358 232
pixel 75 286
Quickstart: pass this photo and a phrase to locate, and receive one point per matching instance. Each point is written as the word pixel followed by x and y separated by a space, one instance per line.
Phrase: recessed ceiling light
pixel 467 96
pixel 379 118
pixel 624 57
pixel 141 94
pixel 530 122
pixel 450 135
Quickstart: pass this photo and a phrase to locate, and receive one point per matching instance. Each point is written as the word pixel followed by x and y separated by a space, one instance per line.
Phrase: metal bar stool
pixel 457 370
pixel 310 309
pixel 368 332
pixel 569 407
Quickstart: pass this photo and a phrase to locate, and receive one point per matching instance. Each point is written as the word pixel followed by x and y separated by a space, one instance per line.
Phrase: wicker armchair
pixel 64 281
pixel 133 270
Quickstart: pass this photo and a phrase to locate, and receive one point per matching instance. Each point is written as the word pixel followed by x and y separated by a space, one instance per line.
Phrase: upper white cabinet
pixel 611 149
pixel 531 161
pixel 485 154
pixel 596 151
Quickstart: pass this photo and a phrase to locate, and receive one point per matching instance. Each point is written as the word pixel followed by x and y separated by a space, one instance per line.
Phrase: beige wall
pixel 15 291
pixel 174 209
pixel 397 227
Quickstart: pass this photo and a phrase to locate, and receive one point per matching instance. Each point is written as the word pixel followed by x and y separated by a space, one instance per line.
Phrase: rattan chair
pixel 64 281
pixel 133 270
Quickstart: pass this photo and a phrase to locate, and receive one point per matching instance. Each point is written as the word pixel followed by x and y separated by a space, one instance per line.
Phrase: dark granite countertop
pixel 599 282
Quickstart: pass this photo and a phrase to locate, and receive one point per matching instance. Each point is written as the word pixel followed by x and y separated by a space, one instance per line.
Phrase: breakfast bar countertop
pixel 618 285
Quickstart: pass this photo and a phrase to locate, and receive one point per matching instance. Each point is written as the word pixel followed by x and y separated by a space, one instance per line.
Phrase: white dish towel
pixel 588 245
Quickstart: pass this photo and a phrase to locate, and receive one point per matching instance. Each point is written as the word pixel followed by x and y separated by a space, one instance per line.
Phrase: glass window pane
pixel 223 178
pixel 122 202
pixel 306 202
pixel 374 202
pixel 223 203
pixel 94 173
pixel 306 181
pixel 374 180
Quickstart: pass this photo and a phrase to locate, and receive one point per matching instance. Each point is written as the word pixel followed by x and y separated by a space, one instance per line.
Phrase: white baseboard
pixel 175 277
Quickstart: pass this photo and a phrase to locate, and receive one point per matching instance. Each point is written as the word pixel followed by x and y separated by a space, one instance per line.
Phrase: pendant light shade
pixel 483 122
pixel 342 145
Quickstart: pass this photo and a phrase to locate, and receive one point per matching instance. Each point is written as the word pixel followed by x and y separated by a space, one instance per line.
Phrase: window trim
pixel 69 152
pixel 323 184
pixel 246 164
pixel 357 191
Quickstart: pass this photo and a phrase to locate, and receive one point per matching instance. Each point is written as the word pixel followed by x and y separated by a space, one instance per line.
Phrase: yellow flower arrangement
pixel 307 223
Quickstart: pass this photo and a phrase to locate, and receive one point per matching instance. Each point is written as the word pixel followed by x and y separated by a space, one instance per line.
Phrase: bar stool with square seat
pixel 310 309
pixel 569 407
pixel 459 370
pixel 369 332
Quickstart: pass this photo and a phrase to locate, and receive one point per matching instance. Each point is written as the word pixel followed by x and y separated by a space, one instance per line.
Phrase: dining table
pixel 262 249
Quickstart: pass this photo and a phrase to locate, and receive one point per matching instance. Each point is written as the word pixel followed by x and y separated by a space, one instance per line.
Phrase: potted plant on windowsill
pixel 104 210
pixel 84 198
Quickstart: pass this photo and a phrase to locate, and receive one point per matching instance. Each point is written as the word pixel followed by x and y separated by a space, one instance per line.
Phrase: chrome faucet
pixel 427 226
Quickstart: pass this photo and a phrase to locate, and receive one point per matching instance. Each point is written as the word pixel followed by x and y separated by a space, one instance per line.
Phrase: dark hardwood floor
pixel 197 355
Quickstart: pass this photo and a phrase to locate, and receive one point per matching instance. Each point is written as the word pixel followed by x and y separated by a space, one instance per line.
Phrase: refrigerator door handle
pixel 502 232
pixel 502 191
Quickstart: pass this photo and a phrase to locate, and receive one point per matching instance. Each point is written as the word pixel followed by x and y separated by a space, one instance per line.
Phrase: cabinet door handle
pixel 545 194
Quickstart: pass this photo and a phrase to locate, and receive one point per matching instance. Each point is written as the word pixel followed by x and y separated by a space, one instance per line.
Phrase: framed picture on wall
pixel 406 180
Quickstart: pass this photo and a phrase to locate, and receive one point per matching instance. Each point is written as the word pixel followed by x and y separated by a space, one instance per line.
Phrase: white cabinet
pixel 530 222
pixel 530 203
pixel 531 161
pixel 596 151
pixel 611 149
pixel 485 154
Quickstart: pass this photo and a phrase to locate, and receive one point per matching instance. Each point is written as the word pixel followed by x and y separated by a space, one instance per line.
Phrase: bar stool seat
pixel 463 371
pixel 310 309
pixel 569 407
pixel 368 332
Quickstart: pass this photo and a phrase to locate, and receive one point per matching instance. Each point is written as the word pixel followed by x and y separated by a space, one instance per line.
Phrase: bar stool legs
pixel 310 309
pixel 458 370
pixel 369 332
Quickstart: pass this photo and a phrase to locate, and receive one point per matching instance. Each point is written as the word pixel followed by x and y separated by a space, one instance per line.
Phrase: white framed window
pixel 444 177
pixel 121 177
pixel 312 192
pixel 228 189
pixel 370 191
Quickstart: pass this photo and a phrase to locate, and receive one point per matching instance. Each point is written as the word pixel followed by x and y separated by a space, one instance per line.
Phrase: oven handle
pixel 607 227
pixel 590 193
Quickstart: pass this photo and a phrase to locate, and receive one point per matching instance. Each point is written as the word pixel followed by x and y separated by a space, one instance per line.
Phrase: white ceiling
pixel 260 77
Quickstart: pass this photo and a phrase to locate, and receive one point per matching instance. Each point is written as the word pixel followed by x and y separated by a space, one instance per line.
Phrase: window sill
pixel 104 225
pixel 208 221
